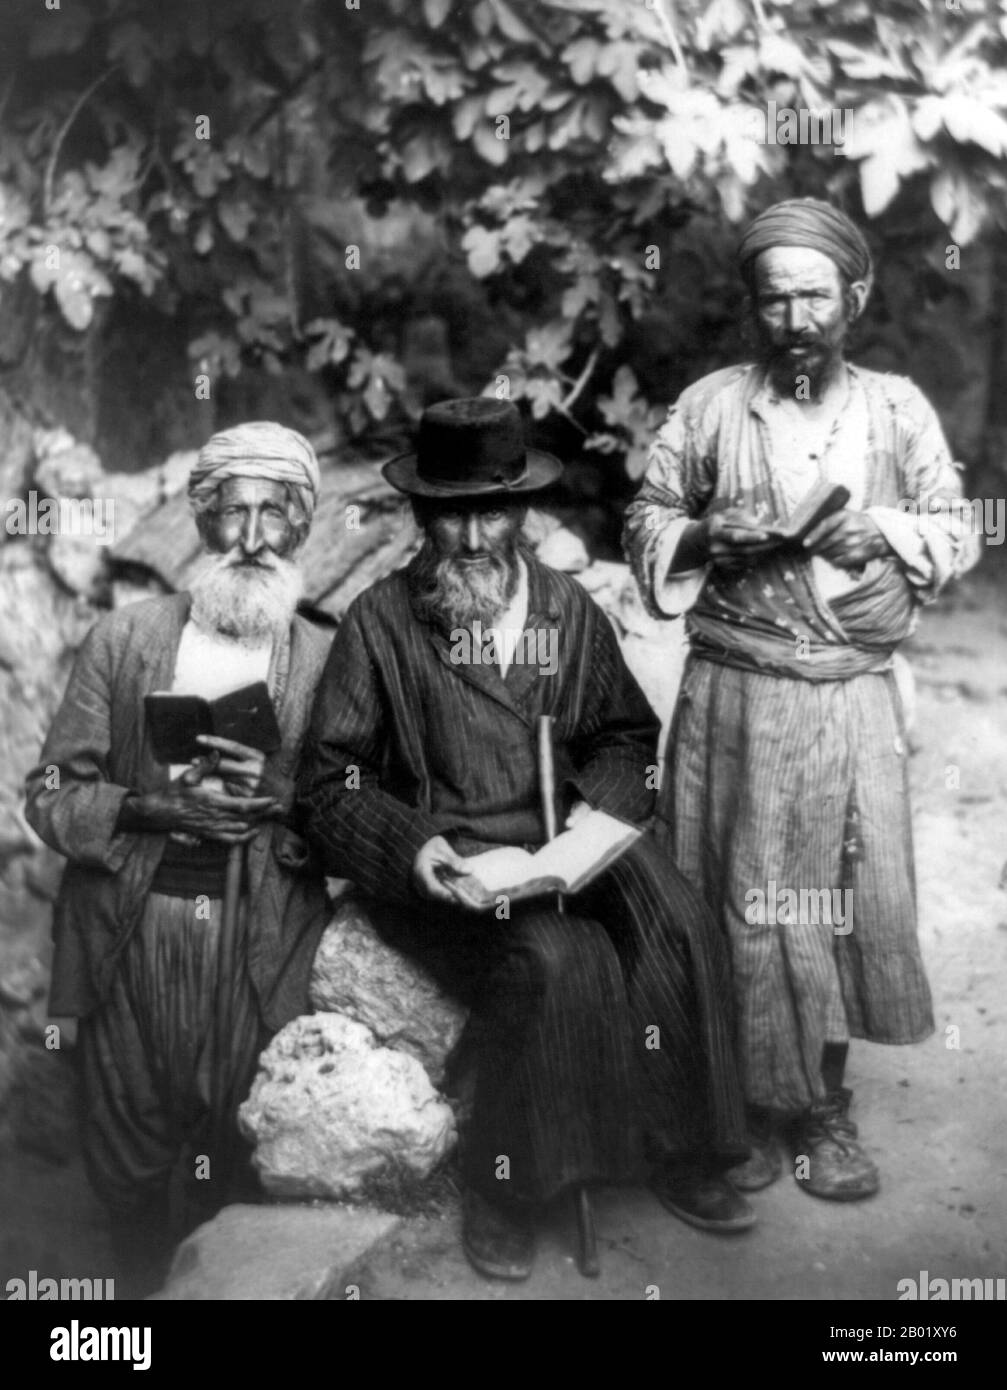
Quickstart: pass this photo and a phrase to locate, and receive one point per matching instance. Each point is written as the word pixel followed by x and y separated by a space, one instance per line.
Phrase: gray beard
pixel 246 603
pixel 454 594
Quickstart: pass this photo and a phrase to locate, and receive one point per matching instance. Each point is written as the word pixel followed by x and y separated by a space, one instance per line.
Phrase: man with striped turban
pixel 785 795
pixel 140 957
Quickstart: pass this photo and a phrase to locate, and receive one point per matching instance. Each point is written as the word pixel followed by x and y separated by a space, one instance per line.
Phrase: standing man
pixel 787 759
pixel 138 955
pixel 592 1029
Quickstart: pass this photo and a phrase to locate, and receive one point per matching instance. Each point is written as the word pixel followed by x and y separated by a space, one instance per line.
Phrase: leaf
pixel 482 247
pixel 421 155
pixel 332 343
pixel 970 122
pixel 545 394
pixel 487 145
pixel 76 285
pixel 130 44
pixel 518 236
pixel 879 183
pixel 436 11
pixel 549 345
pixel 509 24
pixel 866 65
pixel 236 217
pixel 959 203
pixel 581 58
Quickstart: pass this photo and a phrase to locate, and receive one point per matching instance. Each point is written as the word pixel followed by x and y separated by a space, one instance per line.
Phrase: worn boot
pixel 837 1167
pixel 698 1194
pixel 498 1240
pixel 763 1165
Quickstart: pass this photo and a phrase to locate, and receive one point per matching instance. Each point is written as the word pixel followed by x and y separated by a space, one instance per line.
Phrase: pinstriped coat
pixel 99 744
pixel 447 747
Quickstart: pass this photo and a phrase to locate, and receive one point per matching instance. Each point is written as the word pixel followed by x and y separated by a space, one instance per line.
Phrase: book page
pixel 568 862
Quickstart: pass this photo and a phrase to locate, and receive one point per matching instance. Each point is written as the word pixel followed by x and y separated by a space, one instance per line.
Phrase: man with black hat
pixel 597 1032
pixel 786 782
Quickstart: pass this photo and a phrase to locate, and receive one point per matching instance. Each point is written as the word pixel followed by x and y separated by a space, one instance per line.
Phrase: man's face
pixel 468 566
pixel 250 583
pixel 472 534
pixel 252 517
pixel 803 313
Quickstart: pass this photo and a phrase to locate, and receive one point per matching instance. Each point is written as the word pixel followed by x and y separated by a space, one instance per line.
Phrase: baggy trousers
pixel 151 1055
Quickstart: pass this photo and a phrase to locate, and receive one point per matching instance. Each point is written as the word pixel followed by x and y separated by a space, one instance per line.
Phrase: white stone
pixel 562 550
pixel 357 975
pixel 330 1109
pixel 284 1252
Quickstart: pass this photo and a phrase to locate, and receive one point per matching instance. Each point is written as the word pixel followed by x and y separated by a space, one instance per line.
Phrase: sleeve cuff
pixel 675 594
pixel 901 531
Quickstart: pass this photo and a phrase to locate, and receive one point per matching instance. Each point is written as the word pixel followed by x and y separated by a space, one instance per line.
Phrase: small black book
pixel 823 500
pixel 244 715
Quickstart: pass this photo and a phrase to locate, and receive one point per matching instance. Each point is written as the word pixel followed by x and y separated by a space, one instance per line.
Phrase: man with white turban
pixel 786 796
pixel 138 954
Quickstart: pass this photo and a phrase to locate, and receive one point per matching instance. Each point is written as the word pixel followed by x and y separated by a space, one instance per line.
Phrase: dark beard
pixel 451 594
pixel 786 372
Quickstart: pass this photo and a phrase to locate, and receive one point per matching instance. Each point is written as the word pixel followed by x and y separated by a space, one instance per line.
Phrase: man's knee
pixel 561 948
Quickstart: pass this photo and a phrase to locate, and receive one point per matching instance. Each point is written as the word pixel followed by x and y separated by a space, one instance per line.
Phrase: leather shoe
pixel 704 1199
pixel 763 1164
pixel 837 1167
pixel 499 1241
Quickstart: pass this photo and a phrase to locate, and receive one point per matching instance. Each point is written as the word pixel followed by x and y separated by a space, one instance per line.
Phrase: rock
pixel 286 1252
pixel 16 455
pixel 330 1111
pixel 562 550
pixel 357 975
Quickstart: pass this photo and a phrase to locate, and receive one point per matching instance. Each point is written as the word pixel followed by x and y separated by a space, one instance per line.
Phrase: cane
pixel 587 1240
pixel 223 1031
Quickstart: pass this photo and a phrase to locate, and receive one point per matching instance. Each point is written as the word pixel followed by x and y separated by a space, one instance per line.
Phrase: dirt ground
pixel 934 1116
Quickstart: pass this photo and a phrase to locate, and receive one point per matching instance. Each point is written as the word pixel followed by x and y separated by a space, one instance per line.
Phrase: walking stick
pixel 587 1240
pixel 223 1030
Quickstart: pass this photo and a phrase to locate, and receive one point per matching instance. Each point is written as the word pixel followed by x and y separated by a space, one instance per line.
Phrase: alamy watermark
pixel 960 516
pixel 785 125
pixel 927 1289
pixel 41 1288
pixel 476 646
pixel 61 516
pixel 800 907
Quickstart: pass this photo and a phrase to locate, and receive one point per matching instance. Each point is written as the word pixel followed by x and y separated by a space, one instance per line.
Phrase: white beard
pixel 247 603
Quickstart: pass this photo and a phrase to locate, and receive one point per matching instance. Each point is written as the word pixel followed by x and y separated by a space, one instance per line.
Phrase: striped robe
pixel 593 1033
pixel 786 765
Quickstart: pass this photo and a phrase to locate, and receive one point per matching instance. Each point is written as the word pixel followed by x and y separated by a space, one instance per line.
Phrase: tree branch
pixel 61 134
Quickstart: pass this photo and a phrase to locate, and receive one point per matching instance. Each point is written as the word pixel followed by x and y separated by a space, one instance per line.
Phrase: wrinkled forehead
pixel 795 268
pixel 250 492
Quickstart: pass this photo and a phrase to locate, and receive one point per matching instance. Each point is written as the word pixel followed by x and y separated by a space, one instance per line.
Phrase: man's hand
pixel 848 539
pixel 245 772
pixel 186 806
pixel 578 811
pixel 736 539
pixel 435 870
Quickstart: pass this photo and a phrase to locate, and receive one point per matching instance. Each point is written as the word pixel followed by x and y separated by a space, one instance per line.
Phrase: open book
pixel 823 499
pixel 565 865
pixel 244 715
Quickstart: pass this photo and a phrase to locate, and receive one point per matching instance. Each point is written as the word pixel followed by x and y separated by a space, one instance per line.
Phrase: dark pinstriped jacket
pixel 98 743
pixel 406 744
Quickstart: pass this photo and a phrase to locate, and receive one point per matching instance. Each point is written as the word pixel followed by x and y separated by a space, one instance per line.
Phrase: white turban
pixel 259 449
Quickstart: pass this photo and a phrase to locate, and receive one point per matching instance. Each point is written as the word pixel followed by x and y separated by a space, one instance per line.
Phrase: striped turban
pixel 259 449
pixel 808 222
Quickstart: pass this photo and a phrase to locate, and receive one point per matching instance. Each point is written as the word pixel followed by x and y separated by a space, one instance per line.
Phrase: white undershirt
pixel 209 664
pixel 510 624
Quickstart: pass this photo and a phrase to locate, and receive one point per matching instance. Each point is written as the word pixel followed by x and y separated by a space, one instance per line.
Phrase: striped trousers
pixel 762 772
pixel 151 1057
pixel 598 1039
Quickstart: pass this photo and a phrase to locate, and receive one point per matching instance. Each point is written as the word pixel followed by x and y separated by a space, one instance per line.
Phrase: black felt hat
pixel 472 447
